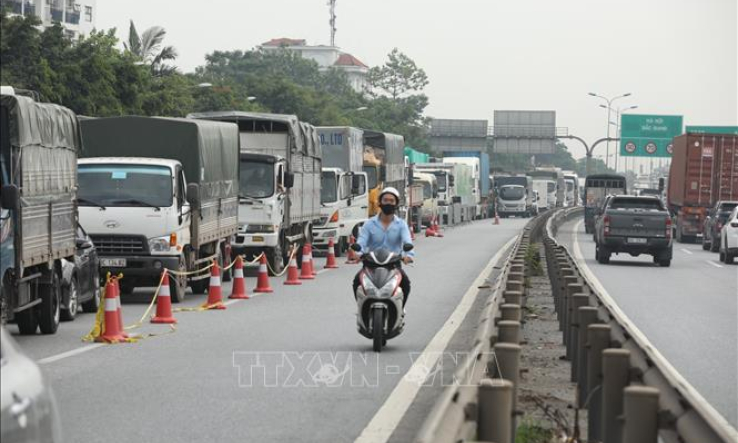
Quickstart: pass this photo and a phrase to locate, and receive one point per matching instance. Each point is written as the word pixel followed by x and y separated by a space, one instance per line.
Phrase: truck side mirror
pixel 9 196
pixel 456 199
pixel 451 180
pixel 382 173
pixel 661 184
pixel 193 195
pixel 289 179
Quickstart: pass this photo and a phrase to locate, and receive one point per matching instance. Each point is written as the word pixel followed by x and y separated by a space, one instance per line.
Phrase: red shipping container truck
pixel 704 169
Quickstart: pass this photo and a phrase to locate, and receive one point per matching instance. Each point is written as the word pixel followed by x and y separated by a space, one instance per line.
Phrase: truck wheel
pixel 714 246
pixel 27 321
pixel 603 255
pixel 178 283
pixel 705 245
pixel 49 310
pixel 340 246
pixel 224 261
pixel 729 258
pixel 665 263
pixel 276 260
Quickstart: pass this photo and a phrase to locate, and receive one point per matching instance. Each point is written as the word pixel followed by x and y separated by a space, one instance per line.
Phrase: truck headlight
pixel 161 245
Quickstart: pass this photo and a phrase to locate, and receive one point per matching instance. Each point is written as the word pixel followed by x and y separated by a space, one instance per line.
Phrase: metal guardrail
pixel 466 408
pixel 618 371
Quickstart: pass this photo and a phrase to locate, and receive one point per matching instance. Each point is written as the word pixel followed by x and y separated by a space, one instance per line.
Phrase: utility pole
pixel 332 5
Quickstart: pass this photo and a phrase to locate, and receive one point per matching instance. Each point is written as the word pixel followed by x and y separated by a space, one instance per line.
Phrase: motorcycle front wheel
pixel 378 329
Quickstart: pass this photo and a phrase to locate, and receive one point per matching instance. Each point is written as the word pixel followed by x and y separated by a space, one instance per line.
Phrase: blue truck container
pixel 483 166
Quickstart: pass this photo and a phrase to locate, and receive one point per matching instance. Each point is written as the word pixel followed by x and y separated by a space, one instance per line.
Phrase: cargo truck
pixel 468 186
pixel 384 164
pixel 279 192
pixel 39 143
pixel 429 209
pixel 484 184
pixel 159 193
pixel 514 195
pixel 445 174
pixel 344 195
pixel 703 171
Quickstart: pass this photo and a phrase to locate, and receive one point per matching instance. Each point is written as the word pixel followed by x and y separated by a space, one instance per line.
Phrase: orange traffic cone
pixel 215 294
pixel 312 260
pixel 111 324
pixel 352 258
pixel 429 232
pixel 120 308
pixel 412 233
pixel 164 303
pixel 306 273
pixel 238 289
pixel 262 282
pixel 330 262
pixel 497 218
pixel 293 277
pixel 437 229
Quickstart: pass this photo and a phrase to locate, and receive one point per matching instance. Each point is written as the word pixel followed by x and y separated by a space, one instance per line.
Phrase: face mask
pixel 388 209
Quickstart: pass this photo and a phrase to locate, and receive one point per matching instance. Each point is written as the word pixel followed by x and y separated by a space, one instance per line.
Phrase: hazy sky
pixel 674 56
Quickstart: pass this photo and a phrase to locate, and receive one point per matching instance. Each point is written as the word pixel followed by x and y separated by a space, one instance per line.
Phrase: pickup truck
pixel 634 225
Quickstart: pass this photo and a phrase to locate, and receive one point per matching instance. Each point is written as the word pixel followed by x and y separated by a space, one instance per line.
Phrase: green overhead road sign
pixel 733 130
pixel 648 135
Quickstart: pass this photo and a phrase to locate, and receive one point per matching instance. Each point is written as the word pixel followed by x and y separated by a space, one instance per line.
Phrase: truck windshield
pixel 427 190
pixel 371 176
pixel 551 187
pixel 124 185
pixel 727 208
pixel 569 187
pixel 328 190
pixel 441 182
pixel 256 179
pixel 512 192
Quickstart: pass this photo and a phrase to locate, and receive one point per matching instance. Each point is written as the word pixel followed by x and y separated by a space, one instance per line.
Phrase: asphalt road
pixel 688 311
pixel 202 383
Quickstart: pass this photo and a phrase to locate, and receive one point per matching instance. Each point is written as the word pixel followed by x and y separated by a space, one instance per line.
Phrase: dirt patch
pixel 546 397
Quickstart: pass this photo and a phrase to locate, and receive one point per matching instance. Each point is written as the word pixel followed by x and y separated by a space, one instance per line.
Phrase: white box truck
pixel 279 191
pixel 159 193
pixel 344 195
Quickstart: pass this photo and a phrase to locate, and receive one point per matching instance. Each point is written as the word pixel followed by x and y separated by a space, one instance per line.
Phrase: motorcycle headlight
pixel 159 245
pixel 390 286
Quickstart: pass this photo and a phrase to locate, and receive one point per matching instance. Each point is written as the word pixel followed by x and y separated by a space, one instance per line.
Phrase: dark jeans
pixel 404 285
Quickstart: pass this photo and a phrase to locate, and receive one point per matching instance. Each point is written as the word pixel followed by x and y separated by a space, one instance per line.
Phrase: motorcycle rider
pixel 388 231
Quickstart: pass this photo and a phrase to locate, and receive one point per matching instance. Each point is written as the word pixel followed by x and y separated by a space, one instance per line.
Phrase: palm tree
pixel 148 48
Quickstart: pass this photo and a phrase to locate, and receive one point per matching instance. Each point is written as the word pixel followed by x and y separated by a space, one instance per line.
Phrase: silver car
pixel 28 412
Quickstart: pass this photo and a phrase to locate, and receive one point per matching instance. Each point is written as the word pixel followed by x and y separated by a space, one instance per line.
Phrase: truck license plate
pixel 637 240
pixel 257 238
pixel 113 262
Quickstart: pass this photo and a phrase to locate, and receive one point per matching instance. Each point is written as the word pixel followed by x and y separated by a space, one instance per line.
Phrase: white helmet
pixel 390 190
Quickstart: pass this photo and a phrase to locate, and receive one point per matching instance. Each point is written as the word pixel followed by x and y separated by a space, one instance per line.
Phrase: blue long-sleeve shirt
pixel 374 236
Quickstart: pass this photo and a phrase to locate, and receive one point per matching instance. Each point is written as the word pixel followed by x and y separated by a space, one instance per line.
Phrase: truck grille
pixel 120 244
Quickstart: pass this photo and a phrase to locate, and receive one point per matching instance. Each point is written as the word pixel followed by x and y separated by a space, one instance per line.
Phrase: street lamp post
pixel 618 113
pixel 609 107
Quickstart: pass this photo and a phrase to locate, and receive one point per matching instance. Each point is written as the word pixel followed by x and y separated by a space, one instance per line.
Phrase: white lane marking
pixel 687 251
pixel 71 353
pixel 230 302
pixel 715 419
pixel 714 264
pixel 384 422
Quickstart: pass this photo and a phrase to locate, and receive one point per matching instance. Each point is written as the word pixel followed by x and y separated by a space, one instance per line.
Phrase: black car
pixel 81 279
pixel 714 222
